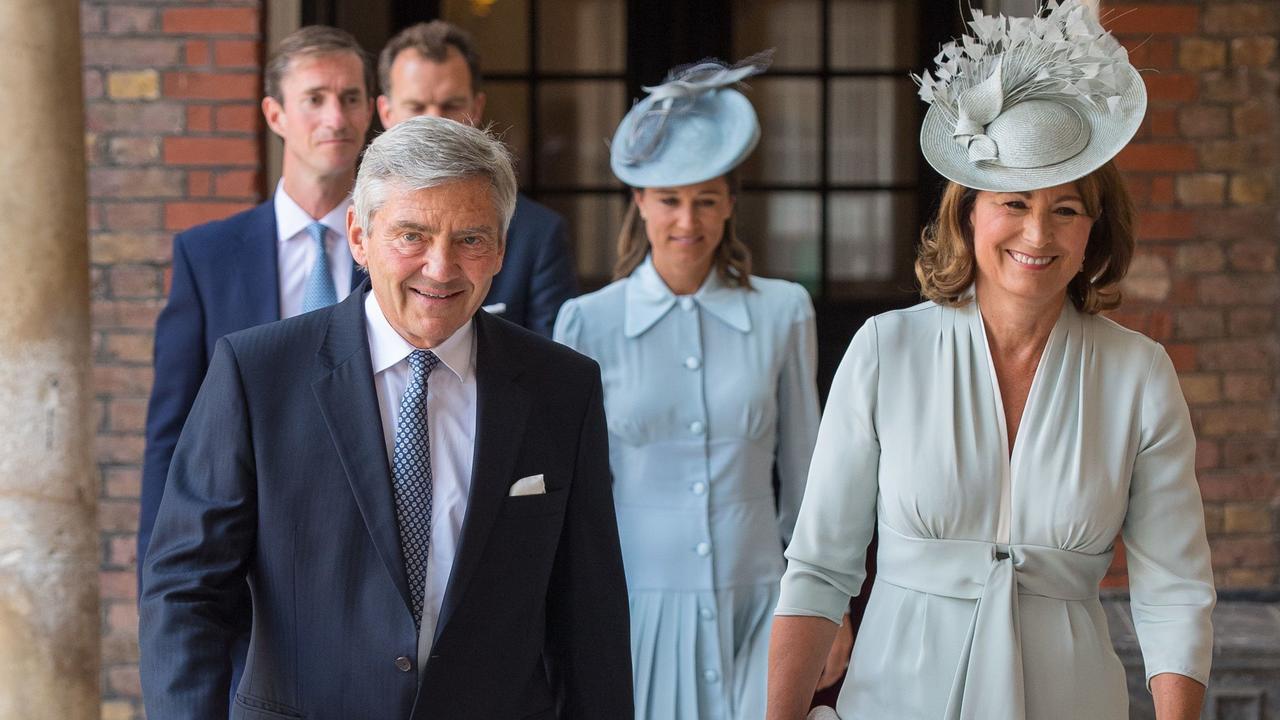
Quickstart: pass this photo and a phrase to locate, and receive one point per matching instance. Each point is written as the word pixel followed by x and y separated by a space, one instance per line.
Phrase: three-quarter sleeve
pixel 827 554
pixel 1170 578
pixel 797 412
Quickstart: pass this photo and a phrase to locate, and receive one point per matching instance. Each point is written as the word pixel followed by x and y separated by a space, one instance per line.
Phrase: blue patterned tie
pixel 319 291
pixel 411 477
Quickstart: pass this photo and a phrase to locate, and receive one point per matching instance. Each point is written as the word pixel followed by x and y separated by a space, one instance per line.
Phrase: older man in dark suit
pixel 417 492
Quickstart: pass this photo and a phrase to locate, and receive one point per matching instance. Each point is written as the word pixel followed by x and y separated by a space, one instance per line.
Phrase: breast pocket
pixel 550 503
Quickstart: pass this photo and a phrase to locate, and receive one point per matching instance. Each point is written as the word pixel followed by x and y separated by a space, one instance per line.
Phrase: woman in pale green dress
pixel 1001 436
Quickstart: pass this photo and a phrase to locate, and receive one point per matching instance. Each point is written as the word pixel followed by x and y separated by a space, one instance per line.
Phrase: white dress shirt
pixel 451 424
pixel 297 253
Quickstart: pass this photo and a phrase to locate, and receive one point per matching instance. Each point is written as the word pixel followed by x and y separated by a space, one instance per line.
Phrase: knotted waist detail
pixel 989 683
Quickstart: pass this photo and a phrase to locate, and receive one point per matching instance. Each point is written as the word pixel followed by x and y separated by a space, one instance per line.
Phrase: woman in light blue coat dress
pixel 709 393
pixel 1001 436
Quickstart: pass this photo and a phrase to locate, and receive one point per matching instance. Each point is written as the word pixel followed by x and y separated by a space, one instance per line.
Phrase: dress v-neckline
pixel 1010 457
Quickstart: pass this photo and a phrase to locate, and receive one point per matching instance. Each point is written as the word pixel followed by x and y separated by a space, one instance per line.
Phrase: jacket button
pixel 692 363
pixel 404 664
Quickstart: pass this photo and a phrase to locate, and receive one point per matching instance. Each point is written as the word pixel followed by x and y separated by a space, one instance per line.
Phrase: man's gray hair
pixel 425 152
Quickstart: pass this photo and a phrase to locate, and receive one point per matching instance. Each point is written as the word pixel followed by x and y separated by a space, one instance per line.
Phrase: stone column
pixel 49 624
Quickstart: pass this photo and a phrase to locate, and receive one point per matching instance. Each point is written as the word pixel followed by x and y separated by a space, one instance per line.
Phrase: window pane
pixel 789 124
pixel 500 31
pixel 793 27
pixel 868 231
pixel 874 124
pixel 874 34
pixel 593 230
pixel 783 230
pixel 575 118
pixel 582 36
pixel 508 109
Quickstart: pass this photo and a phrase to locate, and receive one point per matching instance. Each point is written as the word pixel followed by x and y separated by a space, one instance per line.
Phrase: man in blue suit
pixel 264 264
pixel 433 69
pixel 417 492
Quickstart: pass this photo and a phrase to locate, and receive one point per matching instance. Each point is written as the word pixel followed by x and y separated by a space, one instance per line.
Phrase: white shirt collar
pixel 648 298
pixel 387 347
pixel 292 220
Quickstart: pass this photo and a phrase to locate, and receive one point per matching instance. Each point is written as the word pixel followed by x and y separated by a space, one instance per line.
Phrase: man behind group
pixel 264 264
pixel 433 69
pixel 417 492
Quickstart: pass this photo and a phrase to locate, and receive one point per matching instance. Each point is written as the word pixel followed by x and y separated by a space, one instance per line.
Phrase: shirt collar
pixel 648 299
pixel 387 347
pixel 292 220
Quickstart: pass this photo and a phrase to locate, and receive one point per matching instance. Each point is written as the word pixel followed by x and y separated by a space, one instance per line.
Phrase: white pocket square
pixel 531 485
pixel 495 309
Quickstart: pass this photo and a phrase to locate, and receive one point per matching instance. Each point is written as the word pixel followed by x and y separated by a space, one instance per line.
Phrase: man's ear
pixel 477 109
pixel 384 111
pixel 357 239
pixel 273 111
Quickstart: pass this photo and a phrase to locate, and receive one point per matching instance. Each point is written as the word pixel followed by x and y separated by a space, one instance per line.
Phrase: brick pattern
pixel 175 137
pixel 1203 169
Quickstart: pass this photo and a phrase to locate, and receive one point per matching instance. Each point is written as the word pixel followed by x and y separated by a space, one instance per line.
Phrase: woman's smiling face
pixel 1029 245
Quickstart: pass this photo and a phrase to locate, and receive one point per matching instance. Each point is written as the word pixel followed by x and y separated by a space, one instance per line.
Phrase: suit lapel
pixel 349 405
pixel 258 272
pixel 502 409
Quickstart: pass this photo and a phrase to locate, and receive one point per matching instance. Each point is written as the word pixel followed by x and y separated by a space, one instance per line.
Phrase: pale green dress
pixel 985 605
pixel 708 397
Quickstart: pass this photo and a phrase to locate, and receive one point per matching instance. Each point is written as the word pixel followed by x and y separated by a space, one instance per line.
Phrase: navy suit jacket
pixel 537 273
pixel 281 477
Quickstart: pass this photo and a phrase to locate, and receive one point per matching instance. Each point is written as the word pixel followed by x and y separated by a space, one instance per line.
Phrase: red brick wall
pixel 174 138
pixel 1204 174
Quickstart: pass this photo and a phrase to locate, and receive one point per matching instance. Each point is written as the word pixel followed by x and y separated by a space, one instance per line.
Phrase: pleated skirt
pixel 701 655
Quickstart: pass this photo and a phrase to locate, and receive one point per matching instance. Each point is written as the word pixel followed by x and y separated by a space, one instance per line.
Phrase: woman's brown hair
pixel 732 259
pixel 945 266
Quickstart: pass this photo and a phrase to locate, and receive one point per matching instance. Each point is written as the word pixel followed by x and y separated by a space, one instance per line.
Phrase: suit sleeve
pixel 190 610
pixel 797 412
pixel 180 363
pixel 588 620
pixel 553 280
pixel 1170 577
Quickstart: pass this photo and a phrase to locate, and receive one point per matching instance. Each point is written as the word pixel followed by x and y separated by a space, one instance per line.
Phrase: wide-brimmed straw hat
pixel 691 128
pixel 1029 103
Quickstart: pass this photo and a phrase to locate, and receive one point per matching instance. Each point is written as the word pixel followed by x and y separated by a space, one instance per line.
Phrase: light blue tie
pixel 319 291
pixel 411 477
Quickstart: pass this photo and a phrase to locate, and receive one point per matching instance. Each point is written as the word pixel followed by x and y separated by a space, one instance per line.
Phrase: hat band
pixel 1031 134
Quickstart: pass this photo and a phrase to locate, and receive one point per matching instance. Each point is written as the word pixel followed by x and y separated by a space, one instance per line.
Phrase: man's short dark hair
pixel 308 41
pixel 432 40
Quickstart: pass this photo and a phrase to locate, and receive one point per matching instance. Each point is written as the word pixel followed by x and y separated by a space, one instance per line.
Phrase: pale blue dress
pixel 706 396
pixel 985 605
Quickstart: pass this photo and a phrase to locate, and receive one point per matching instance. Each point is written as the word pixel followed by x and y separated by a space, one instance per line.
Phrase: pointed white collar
pixel 648 299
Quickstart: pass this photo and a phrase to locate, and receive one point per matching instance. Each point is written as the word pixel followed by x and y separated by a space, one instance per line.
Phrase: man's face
pixel 420 86
pixel 431 256
pixel 323 114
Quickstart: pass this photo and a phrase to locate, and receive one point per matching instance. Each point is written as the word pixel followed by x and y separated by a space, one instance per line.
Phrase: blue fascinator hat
pixel 693 127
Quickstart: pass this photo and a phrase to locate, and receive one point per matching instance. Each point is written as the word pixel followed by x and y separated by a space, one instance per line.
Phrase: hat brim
pixel 1109 133
pixel 703 143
